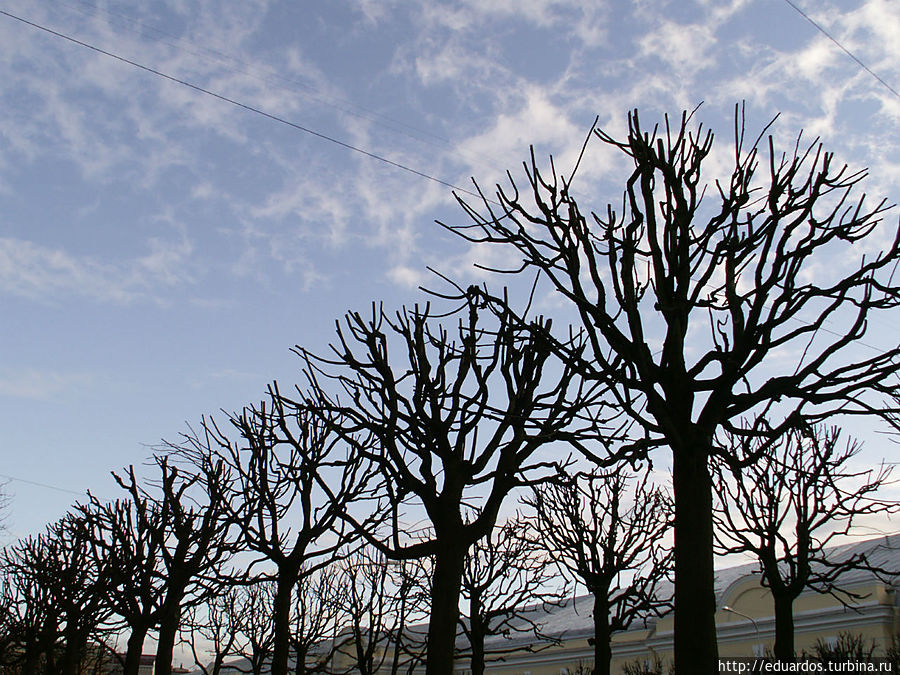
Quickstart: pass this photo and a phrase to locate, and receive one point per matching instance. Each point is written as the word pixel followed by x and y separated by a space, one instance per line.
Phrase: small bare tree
pixel 380 599
pixel 788 506
pixel 217 624
pixel 315 617
pixel 606 531
pixel 508 584
pixel 256 626
pixel 293 481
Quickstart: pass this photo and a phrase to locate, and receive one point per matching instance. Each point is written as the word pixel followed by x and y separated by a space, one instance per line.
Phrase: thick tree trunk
pixel 445 588
pixel 72 652
pixel 695 598
pixel 784 627
pixel 602 633
pixel 169 622
pixel 281 620
pixel 133 650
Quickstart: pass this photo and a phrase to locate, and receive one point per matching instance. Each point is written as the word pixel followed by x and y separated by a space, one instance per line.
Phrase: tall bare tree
pixel 690 305
pixel 606 531
pixel 455 422
pixel 507 586
pixel 788 506
pixel 293 480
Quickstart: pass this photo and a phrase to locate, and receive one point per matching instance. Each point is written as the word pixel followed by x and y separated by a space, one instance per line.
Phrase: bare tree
pixel 32 617
pixel 56 605
pixel 788 506
pixel 294 479
pixel 217 623
pixel 605 531
pixel 508 583
pixel 688 305
pixel 257 629
pixel 315 617
pixel 130 534
pixel 455 423
pixel 77 580
pixel 187 536
pixel 380 599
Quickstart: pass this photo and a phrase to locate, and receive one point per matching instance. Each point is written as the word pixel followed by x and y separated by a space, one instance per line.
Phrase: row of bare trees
pixel 724 332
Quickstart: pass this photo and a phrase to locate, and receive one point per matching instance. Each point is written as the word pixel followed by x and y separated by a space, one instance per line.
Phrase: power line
pixel 844 49
pixel 244 106
pixel 266 76
pixel 43 485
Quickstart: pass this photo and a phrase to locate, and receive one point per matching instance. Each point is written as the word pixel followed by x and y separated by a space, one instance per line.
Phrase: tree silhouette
pixel 380 599
pixel 32 617
pixel 788 506
pixel 129 534
pixel 507 585
pixel 189 534
pixel 701 311
pixel 293 480
pixel 217 624
pixel 605 532
pixel 453 422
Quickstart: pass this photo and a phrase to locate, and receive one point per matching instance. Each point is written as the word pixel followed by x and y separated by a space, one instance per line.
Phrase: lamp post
pixel 750 619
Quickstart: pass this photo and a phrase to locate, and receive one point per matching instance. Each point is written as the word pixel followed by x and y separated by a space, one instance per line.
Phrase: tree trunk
pixel 445 588
pixel 602 633
pixel 784 627
pixel 281 619
pixel 169 620
pixel 476 635
pixel 695 598
pixel 72 651
pixel 133 650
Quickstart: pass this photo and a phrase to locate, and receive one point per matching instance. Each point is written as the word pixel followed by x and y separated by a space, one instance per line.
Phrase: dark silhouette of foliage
pixel 693 296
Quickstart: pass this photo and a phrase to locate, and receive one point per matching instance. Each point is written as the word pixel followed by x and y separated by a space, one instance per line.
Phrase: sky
pixel 162 249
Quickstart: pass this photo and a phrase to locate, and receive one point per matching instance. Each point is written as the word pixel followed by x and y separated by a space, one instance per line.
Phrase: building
pixel 745 619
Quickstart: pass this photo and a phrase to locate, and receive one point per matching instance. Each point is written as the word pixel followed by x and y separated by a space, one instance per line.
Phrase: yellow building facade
pixel 745 619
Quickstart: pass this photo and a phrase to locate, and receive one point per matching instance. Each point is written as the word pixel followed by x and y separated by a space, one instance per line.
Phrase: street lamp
pixel 749 618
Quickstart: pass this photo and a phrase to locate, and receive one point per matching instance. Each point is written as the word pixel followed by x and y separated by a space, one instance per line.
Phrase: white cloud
pixel 50 274
pixel 32 383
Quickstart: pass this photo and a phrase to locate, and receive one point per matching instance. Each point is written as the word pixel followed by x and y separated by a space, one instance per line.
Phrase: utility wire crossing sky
pixel 161 251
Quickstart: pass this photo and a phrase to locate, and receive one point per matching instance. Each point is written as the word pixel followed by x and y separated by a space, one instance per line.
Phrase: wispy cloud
pixel 52 274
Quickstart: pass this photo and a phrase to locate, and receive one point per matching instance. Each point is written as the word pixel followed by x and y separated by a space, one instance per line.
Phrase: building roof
pixel 573 617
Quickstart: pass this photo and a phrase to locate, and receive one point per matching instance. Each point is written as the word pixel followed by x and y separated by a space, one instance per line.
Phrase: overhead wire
pixel 49 486
pixel 843 48
pixel 254 71
pixel 244 106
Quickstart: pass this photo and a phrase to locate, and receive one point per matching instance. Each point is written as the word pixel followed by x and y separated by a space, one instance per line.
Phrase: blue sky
pixel 161 250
